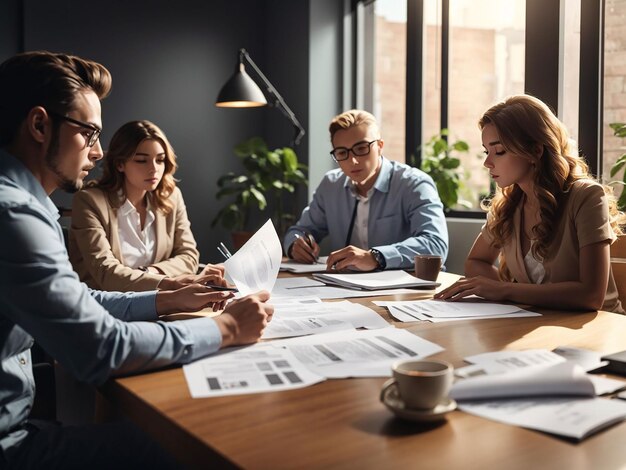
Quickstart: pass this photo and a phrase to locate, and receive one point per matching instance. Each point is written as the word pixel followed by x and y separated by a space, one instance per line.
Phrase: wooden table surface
pixel 342 424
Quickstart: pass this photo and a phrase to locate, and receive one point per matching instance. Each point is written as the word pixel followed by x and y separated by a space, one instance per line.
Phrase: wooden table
pixel 342 424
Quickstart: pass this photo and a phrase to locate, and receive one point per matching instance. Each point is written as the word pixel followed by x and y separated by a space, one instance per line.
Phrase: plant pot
pixel 240 238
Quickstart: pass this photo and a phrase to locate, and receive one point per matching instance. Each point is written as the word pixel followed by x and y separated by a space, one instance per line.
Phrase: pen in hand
pixel 308 241
pixel 224 288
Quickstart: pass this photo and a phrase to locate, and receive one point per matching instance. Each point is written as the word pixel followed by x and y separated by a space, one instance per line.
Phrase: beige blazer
pixel 585 220
pixel 95 252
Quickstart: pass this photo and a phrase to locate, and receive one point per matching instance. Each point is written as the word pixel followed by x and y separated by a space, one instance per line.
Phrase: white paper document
pixel 540 380
pixel 302 268
pixel 440 311
pixel 503 362
pixel 331 292
pixel 575 418
pixel 252 369
pixel 392 279
pixel 358 315
pixel 255 265
pixel 288 327
pixel 360 353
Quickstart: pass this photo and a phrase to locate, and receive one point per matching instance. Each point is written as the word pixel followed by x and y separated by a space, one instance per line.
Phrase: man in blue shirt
pixel 377 213
pixel 49 128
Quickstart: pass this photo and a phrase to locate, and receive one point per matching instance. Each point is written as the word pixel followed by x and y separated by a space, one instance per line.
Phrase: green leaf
pixel 290 160
pixel 260 198
pixel 450 163
pixel 273 158
pixel 617 166
pixel 460 146
pixel 440 146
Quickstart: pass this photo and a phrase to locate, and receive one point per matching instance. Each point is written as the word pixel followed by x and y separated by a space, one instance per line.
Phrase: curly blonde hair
pixel 123 145
pixel 524 124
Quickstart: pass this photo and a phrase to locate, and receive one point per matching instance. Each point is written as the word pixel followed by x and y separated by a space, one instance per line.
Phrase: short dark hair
pixel 46 79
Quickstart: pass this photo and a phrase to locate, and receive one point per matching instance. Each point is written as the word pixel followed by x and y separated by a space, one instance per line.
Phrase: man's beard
pixel 52 160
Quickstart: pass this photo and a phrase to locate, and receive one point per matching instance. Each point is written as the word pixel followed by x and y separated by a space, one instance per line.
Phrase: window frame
pixel 542 71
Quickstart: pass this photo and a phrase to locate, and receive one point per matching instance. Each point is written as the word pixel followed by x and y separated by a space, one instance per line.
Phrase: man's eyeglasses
pixel 91 137
pixel 360 149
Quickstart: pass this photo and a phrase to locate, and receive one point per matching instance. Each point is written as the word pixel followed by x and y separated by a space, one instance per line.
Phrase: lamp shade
pixel 240 91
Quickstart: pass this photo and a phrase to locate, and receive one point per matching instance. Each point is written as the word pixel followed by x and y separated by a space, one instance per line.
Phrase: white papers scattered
pixel 248 370
pixel 286 327
pixel 501 362
pixel 358 353
pixel 575 418
pixel 358 315
pixel 440 311
pixel 537 389
pixel 315 318
pixel 375 280
pixel 255 265
pixel 329 292
pixel 544 380
pixel 301 268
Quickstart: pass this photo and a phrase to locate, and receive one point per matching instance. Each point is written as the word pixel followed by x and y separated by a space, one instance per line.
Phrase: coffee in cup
pixel 427 267
pixel 421 384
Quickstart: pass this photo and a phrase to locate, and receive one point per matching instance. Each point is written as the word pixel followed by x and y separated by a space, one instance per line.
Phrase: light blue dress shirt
pixel 92 334
pixel 405 219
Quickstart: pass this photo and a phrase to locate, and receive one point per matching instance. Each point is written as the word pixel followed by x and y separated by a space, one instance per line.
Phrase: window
pixel 389 70
pixel 461 56
pixel 614 82
pixel 485 63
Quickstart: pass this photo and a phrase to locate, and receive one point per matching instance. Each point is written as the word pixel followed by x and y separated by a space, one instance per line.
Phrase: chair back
pixel 618 266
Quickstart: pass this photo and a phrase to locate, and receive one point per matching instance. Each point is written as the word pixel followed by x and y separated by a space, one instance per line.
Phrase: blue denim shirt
pixel 405 219
pixel 92 334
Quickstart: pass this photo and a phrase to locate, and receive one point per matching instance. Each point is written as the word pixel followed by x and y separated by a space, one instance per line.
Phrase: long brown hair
pixel 123 145
pixel 524 123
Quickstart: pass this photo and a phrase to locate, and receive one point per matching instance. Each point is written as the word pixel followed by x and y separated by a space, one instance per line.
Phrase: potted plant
pixel 619 130
pixel 439 160
pixel 269 175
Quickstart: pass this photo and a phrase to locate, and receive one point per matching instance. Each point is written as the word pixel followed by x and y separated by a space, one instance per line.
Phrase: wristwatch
pixel 379 258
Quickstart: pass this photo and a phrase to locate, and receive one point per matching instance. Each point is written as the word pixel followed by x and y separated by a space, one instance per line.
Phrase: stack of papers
pixel 440 311
pixel 357 353
pixel 540 390
pixel 375 280
pixel 317 318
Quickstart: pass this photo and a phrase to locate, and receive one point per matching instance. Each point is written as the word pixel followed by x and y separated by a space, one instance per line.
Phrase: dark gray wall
pixel 168 60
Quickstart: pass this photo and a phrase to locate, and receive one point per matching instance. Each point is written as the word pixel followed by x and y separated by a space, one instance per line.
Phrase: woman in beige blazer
pixel 130 230
pixel 549 223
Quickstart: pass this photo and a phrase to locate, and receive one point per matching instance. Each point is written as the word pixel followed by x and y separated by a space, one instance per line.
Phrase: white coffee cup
pixel 422 384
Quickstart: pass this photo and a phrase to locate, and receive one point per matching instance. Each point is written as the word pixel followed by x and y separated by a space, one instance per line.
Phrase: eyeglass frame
pixel 351 149
pixel 92 138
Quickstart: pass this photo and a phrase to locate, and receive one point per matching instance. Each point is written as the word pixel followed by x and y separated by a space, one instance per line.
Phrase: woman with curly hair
pixel 550 223
pixel 130 230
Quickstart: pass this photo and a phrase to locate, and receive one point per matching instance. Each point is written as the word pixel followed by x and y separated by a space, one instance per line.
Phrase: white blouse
pixel 137 245
pixel 535 269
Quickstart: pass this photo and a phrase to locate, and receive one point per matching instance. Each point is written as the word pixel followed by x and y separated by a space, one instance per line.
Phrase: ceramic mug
pixel 427 267
pixel 422 384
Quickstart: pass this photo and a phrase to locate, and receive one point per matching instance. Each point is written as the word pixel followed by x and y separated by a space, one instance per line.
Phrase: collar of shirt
pixel 17 172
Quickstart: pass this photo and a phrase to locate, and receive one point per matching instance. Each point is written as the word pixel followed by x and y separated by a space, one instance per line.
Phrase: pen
pixel 222 253
pixel 227 253
pixel 224 288
pixel 309 240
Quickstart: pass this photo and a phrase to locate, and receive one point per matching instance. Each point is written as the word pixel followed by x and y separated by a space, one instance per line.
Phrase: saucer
pixel 394 403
